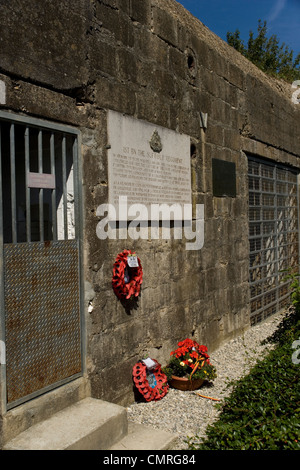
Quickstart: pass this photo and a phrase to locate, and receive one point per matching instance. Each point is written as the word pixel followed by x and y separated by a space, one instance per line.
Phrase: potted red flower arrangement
pixel 189 366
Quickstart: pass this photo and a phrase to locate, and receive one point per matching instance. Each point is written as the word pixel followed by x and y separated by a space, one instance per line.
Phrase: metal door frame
pixel 45 125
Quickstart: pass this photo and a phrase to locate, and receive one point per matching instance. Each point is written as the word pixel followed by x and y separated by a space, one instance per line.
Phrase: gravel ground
pixel 185 413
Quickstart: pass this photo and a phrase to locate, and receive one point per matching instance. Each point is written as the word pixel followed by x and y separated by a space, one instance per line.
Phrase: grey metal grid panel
pixel 42 316
pixel 273 235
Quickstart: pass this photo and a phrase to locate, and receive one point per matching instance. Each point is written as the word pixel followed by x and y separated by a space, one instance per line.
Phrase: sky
pixel 220 16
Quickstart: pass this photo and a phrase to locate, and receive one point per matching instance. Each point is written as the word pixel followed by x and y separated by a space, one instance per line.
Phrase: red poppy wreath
pixel 127 280
pixel 153 385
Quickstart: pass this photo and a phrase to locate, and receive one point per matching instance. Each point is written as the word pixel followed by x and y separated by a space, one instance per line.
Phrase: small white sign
pixel 149 363
pixel 132 261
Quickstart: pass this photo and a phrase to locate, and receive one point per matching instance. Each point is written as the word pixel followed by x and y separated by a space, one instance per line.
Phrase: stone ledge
pixel 90 424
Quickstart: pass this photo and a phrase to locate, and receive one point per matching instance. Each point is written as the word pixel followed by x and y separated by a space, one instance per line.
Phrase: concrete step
pixel 140 437
pixel 90 424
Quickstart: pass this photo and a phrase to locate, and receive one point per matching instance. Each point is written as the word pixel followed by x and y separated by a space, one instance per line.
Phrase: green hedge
pixel 263 410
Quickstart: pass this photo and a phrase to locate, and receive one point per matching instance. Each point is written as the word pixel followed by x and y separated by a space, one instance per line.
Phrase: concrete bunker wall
pixel 153 61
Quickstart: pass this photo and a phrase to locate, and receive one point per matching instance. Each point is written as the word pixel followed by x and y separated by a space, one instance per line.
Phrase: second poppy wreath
pixel 127 275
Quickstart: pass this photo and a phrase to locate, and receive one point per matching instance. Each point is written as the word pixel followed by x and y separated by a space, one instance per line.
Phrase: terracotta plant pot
pixel 182 383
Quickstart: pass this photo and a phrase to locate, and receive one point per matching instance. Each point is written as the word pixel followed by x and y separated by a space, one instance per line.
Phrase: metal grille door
pixel 41 276
pixel 273 235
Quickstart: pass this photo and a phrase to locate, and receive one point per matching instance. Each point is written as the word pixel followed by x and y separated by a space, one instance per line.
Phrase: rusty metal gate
pixel 273 235
pixel 40 227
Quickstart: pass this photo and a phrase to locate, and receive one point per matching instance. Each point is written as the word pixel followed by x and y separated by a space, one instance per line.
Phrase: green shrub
pixel 263 410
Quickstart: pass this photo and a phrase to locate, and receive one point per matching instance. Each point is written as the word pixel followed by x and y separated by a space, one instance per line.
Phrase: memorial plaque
pixel 147 164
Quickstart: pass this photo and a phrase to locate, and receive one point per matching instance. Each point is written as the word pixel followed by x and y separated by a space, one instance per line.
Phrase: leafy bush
pixel 263 410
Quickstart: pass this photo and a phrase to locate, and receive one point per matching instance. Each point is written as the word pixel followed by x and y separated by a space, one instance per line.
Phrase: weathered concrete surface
pixel 45 48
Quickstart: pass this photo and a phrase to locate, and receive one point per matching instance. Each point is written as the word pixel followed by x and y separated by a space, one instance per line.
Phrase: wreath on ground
pixel 127 278
pixel 152 383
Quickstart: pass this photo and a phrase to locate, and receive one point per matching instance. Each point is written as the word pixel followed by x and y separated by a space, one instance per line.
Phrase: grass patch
pixel 263 410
